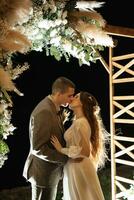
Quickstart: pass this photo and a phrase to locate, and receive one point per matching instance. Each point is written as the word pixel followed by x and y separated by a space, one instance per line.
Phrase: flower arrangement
pixel 6 127
pixel 61 28
pixel 67 28
pixel 12 13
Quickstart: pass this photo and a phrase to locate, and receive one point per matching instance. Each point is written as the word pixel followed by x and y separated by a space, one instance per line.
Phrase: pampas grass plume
pixel 5 80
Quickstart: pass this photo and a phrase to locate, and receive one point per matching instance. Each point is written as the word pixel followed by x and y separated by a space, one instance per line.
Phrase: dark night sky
pixel 36 82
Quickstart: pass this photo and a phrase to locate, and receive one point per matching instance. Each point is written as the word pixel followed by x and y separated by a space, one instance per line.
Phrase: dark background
pixel 36 82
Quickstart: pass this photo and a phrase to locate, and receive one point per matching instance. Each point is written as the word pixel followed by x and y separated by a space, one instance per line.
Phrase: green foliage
pixel 105 181
pixel 55 52
pixel 4 147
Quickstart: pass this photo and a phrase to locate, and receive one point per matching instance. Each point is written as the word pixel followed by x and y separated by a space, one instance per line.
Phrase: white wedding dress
pixel 80 180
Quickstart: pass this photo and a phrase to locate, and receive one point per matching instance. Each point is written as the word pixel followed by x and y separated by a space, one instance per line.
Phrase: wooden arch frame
pixel 117 109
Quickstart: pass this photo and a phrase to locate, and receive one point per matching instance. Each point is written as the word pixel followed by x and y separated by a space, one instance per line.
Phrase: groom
pixel 44 165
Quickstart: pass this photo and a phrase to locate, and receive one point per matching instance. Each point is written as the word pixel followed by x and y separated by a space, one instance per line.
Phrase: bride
pixel 85 147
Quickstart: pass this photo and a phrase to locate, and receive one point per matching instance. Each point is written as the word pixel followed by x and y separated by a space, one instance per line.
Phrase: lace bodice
pixel 76 137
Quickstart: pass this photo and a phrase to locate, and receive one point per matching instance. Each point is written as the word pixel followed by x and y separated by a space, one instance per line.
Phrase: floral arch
pixel 58 27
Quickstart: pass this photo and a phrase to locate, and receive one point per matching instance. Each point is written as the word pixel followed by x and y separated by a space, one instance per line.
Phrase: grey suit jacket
pixel 44 164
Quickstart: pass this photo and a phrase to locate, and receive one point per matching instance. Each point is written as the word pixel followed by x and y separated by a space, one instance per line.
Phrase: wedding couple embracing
pixel 72 155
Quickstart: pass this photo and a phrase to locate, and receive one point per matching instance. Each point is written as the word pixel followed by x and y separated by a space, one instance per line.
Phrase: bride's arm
pixel 72 151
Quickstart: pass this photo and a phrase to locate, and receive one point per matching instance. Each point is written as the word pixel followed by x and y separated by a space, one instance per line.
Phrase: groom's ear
pixel 57 94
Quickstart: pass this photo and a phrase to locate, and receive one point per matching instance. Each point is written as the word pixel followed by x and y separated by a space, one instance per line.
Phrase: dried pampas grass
pixel 17 70
pixel 15 11
pixel 15 41
pixel 5 80
pixel 76 15
pixel 88 5
pixel 91 26
pixel 3 29
pixel 94 35
pixel 6 83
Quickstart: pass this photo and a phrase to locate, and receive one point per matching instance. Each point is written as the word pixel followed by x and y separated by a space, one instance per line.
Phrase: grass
pixel 24 193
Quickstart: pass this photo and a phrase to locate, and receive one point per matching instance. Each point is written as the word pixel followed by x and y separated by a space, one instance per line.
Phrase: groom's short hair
pixel 61 85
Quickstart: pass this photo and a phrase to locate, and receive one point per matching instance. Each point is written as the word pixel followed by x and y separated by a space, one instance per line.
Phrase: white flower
pixel 3 157
pixel 64 21
pixel 67 46
pixel 39 36
pixel 58 22
pixel 53 33
pixel 34 32
pixel 11 128
pixel 39 47
pixel 81 55
pixel 72 51
pixel 45 24
pixel 56 41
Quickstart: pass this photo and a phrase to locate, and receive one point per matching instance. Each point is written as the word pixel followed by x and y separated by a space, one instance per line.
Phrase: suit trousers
pixel 43 193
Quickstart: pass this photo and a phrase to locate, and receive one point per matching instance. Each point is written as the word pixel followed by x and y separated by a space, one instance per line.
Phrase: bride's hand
pixel 55 142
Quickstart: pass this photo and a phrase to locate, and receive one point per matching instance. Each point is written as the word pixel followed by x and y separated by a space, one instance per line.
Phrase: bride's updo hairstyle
pixel 99 135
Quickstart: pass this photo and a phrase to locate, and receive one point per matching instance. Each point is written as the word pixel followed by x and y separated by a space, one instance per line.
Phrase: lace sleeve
pixel 72 151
